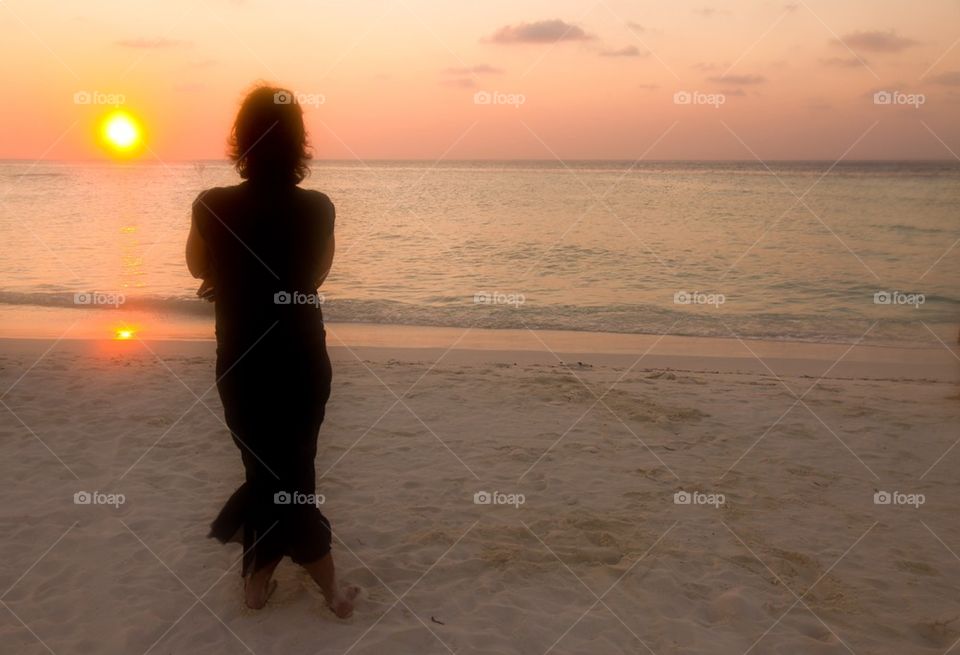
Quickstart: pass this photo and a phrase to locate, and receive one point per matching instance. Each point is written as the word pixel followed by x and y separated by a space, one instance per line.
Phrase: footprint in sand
pixel 938 632
pixel 918 568
pixel 735 605
pixel 666 375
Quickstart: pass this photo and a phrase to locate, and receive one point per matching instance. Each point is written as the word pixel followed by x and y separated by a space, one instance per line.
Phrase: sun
pixel 124 333
pixel 121 132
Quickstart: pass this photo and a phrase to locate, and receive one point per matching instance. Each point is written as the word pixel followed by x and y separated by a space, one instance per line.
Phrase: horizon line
pixel 944 160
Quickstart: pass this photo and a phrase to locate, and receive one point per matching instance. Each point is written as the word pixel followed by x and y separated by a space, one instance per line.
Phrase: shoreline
pixel 78 322
pixel 348 341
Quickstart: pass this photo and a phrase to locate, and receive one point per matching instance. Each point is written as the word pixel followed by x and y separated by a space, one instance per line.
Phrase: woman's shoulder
pixel 215 195
pixel 320 211
pixel 320 206
pixel 318 199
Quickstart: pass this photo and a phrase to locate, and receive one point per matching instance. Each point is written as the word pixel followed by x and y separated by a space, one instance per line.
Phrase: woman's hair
pixel 269 140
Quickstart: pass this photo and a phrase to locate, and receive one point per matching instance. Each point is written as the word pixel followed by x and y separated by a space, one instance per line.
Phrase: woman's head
pixel 269 140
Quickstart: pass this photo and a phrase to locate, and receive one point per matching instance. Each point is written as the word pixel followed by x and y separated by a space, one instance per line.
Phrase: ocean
pixel 787 251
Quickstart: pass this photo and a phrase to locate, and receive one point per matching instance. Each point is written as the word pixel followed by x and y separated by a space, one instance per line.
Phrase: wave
pixel 108 301
pixel 15 176
pixel 902 228
pixel 845 323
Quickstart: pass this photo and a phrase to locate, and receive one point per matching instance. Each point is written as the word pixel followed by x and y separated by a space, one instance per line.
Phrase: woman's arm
pixel 329 216
pixel 326 260
pixel 198 262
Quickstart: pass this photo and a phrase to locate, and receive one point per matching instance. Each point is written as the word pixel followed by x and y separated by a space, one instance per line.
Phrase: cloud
pixel 950 78
pixel 152 43
pixel 710 12
pixel 544 31
pixel 739 79
pixel 733 92
pixel 843 62
pixel 479 69
pixel 626 51
pixel 875 41
pixel 460 82
pixel 636 28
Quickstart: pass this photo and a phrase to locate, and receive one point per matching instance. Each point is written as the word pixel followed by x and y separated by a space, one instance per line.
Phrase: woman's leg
pixel 339 599
pixel 257 587
pixel 251 512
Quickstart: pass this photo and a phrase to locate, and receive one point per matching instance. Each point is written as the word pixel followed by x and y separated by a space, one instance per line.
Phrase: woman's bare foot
pixel 342 604
pixel 258 587
pixel 339 599
pixel 257 597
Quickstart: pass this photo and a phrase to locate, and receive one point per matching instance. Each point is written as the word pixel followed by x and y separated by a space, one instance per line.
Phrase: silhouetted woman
pixel 262 248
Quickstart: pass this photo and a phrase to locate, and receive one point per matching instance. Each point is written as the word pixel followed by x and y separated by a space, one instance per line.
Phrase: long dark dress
pixel 273 372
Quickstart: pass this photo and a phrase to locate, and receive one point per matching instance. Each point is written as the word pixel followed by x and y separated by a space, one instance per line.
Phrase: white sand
pixel 798 559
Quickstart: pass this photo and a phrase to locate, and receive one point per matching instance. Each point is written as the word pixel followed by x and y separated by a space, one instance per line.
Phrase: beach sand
pixel 596 432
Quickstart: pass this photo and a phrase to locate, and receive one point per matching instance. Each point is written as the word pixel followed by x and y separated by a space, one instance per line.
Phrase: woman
pixel 262 248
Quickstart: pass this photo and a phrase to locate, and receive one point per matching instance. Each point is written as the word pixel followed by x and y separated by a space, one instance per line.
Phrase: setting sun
pixel 121 132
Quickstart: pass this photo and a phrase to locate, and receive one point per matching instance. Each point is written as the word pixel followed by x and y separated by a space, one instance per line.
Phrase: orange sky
pixel 398 78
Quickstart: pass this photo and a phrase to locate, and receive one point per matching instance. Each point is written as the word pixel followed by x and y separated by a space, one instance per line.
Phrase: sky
pixel 527 79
